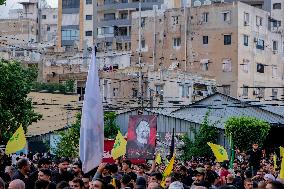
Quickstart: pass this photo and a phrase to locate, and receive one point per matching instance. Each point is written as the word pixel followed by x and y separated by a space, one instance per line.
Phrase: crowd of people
pixel 249 171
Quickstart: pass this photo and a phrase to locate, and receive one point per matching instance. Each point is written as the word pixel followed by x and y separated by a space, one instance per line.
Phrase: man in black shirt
pixel 23 170
pixel 62 174
pixel 254 158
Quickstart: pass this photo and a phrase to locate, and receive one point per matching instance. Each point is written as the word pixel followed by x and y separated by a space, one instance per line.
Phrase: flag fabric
pixel 172 149
pixel 232 155
pixel 17 141
pixel 119 147
pixel 158 159
pixel 281 151
pixel 275 161
pixel 168 170
pixel 219 152
pixel 92 122
pixel 281 175
pixel 113 182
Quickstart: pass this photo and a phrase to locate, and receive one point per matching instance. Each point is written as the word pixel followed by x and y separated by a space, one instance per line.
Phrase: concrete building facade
pixel 232 42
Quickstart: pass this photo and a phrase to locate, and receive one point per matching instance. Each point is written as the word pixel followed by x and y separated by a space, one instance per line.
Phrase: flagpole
pixel 232 151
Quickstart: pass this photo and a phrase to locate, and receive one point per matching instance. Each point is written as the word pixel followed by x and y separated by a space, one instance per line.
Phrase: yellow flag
pixel 281 175
pixel 219 152
pixel 119 147
pixel 158 159
pixel 281 151
pixel 275 161
pixel 168 170
pixel 113 182
pixel 17 141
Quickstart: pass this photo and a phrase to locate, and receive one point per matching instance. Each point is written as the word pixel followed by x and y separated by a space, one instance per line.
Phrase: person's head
pixel 126 164
pixel 259 174
pixel 169 180
pixel 2 184
pixel 63 164
pixel 229 178
pixel 141 183
pixel 208 166
pixel 153 185
pixel 274 185
pixel 183 170
pixel 41 184
pixel 77 168
pixel 261 185
pixel 17 184
pixel 113 168
pixel 44 174
pixel 77 184
pixel 86 180
pixel 9 170
pixel 199 174
pixel 62 185
pixel 156 177
pixel 98 184
pixel 141 169
pixel 176 185
pixel 126 179
pixel 255 146
pixel 269 178
pixel 24 165
pixel 143 132
pixel 44 163
pixel 248 184
pixel 193 164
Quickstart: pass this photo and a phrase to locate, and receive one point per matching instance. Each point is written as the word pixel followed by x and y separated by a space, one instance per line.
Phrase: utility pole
pixel 154 41
pixel 185 36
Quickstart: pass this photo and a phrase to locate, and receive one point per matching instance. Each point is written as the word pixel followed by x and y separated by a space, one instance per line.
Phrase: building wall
pixel 48 24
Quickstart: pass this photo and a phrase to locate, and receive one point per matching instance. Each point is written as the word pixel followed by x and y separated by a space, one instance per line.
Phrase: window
pixel 88 33
pixel 159 89
pixel 277 6
pixel 205 17
pixel 184 91
pixel 226 16
pixel 115 91
pixel 43 17
pixel 204 63
pixel 259 92
pixel 109 16
pixel 227 65
pixel 274 71
pixel 260 44
pixel 123 16
pixel 175 20
pixel 176 42
pixel 70 34
pixel 67 4
pixel 258 21
pixel 205 40
pixel 134 93
pixel 274 94
pixel 245 90
pixel 260 68
pixel 89 2
pixel 47 28
pixel 276 23
pixel 246 19
pixel 227 40
pixel 226 89
pixel 89 17
pixel 119 46
pixel 54 16
pixel 143 21
pixel 143 43
pixel 245 65
pixel 246 40
pixel 274 45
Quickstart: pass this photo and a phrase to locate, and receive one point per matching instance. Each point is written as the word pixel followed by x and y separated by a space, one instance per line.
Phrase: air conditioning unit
pixel 246 23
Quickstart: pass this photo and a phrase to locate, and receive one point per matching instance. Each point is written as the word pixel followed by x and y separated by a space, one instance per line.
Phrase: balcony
pixel 115 22
pixel 146 4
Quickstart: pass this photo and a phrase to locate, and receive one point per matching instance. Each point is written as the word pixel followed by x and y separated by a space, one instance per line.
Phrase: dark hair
pixel 79 181
pixel 43 161
pixel 158 175
pixel 183 168
pixel 128 162
pixel 78 164
pixel 277 185
pixel 247 180
pixel 46 172
pixel 113 168
pixel 22 162
pixel 64 159
pixel 62 185
pixel 110 186
pixel 126 179
pixel 41 184
pixel 104 184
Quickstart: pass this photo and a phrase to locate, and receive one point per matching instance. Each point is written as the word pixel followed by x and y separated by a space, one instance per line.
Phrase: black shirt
pixel 65 176
pixel 254 158
pixel 19 175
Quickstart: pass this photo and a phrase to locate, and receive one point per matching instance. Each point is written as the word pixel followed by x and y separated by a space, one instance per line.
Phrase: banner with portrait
pixel 141 138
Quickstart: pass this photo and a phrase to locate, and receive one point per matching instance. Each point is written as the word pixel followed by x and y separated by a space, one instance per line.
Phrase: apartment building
pixel 113 22
pixel 48 25
pixel 232 42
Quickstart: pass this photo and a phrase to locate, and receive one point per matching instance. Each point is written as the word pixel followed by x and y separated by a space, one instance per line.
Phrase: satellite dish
pixel 197 3
pixel 207 2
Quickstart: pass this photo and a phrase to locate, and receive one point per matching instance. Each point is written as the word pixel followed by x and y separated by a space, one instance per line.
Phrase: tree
pixel 15 107
pixel 2 2
pixel 68 146
pixel 198 147
pixel 246 130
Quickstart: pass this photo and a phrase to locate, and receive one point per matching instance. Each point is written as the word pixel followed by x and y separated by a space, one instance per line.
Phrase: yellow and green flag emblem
pixel 281 175
pixel 17 141
pixel 219 152
pixel 168 170
pixel 158 159
pixel 119 147
pixel 281 151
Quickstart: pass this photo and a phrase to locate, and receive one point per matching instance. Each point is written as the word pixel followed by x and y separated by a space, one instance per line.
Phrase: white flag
pixel 92 122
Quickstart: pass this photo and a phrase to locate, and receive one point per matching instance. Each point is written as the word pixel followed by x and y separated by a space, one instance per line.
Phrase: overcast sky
pixel 13 4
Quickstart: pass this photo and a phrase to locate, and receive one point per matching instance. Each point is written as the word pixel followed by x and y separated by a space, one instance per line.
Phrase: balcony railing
pixel 146 4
